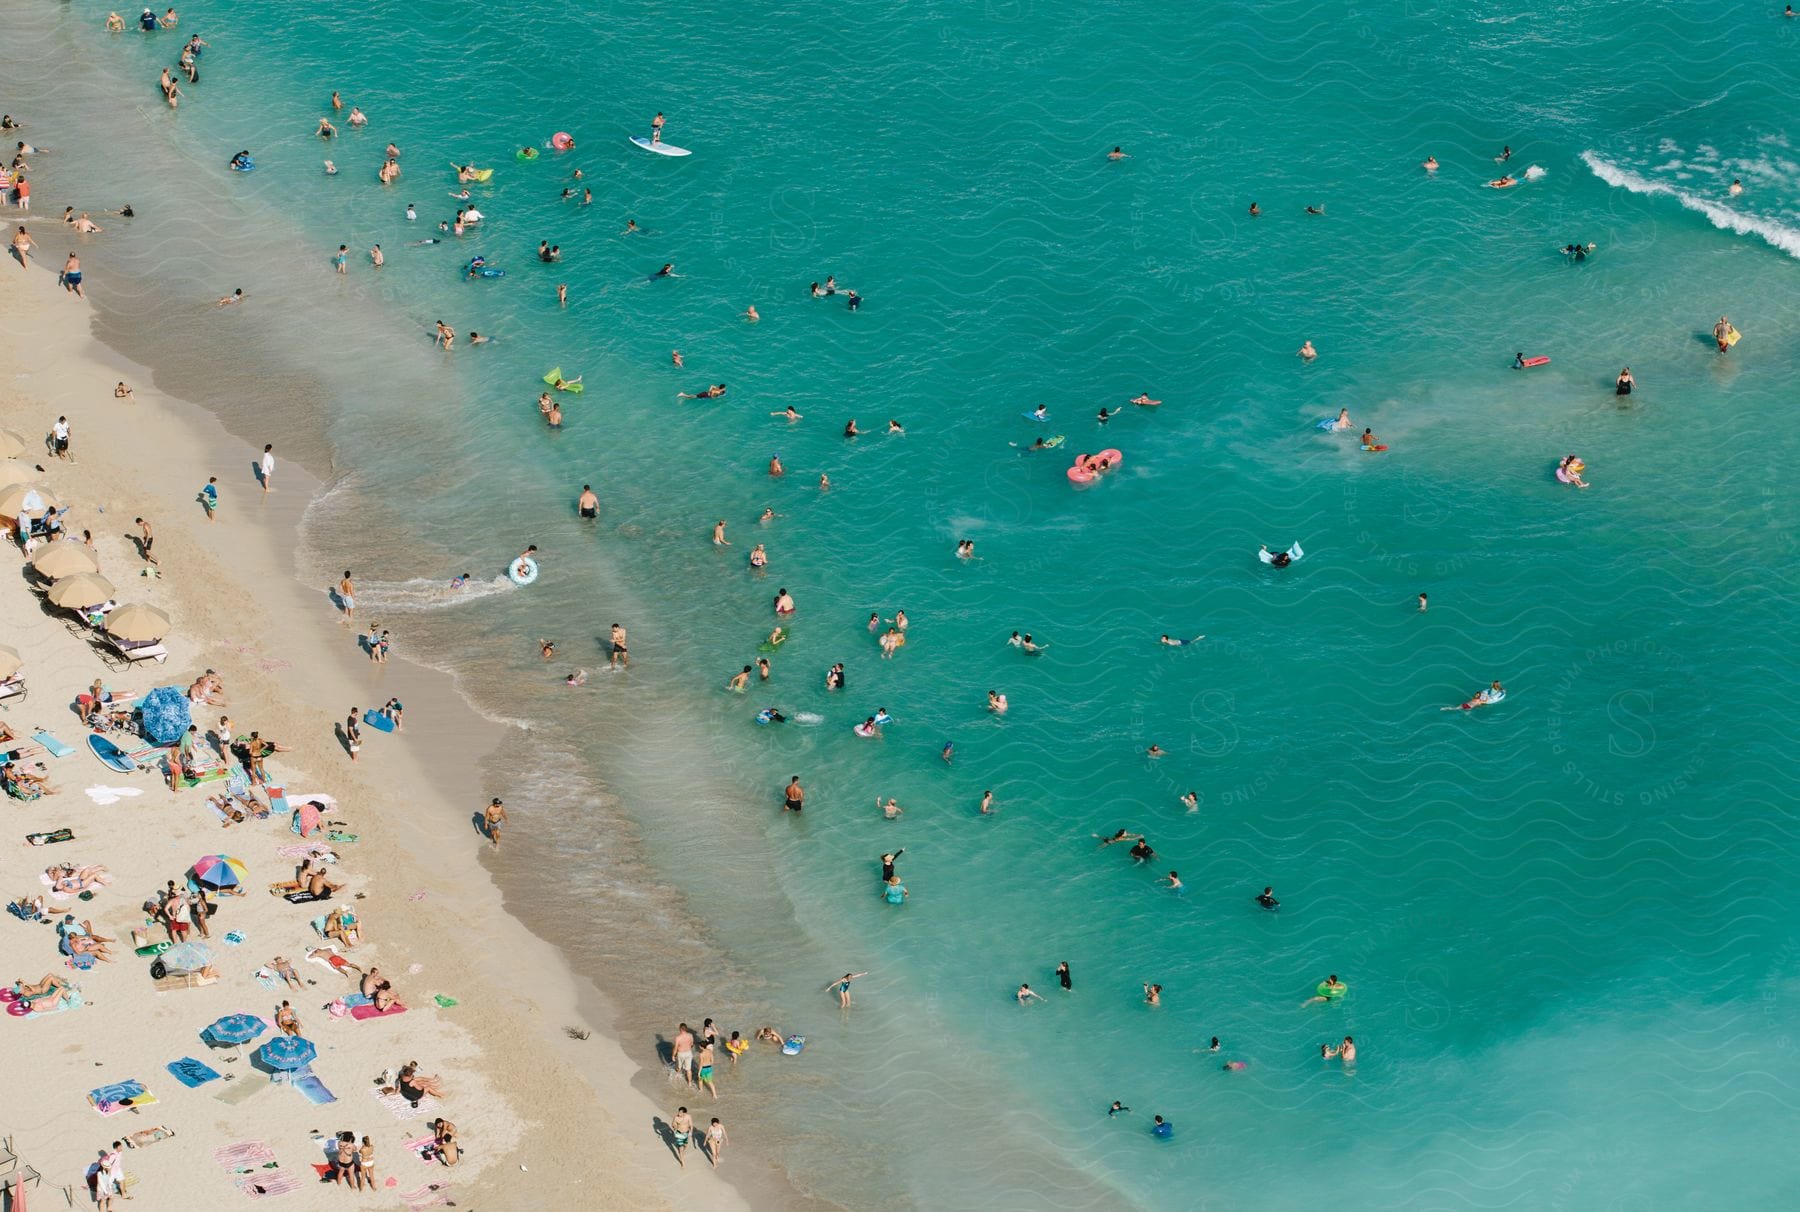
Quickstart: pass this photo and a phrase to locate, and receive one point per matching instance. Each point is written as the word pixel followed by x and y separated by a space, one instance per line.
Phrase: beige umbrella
pixel 138 623
pixel 10 661
pixel 81 589
pixel 11 444
pixel 13 495
pixel 64 558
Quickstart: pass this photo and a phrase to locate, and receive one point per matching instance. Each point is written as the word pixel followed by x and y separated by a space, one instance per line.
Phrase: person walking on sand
pixel 716 1140
pixel 346 592
pixel 71 276
pixel 681 1130
pixel 266 470
pixel 59 438
pixel 209 498
pixel 842 986
pixel 353 733
pixel 492 819
pixel 22 244
pixel 146 540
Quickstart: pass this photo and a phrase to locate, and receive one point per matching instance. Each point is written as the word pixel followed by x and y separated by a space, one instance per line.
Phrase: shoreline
pixel 576 1086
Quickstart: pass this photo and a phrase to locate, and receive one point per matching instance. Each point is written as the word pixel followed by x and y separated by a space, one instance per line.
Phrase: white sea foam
pixel 1781 236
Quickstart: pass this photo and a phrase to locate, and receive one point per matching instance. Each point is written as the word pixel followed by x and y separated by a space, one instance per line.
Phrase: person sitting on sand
pixel 21 783
pixel 444 1138
pixel 414 1085
pixel 286 1020
pixel 342 925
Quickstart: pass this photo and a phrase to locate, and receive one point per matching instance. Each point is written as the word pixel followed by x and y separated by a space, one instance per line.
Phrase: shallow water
pixel 1558 917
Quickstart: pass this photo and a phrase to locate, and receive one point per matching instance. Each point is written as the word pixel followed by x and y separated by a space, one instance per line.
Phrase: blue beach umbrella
pixel 165 714
pixel 236 1029
pixel 287 1052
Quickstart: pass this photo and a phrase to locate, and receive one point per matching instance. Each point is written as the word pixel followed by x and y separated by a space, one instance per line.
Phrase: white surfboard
pixel 661 149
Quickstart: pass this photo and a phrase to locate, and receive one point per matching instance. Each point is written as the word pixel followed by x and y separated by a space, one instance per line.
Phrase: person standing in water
pixel 1062 975
pixel 842 986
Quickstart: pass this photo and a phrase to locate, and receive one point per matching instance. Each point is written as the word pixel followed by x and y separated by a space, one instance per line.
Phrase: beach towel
pixel 40 1007
pixel 244 1156
pixel 362 1012
pixel 191 1073
pixel 314 1090
pixel 401 1108
pixel 80 963
pixel 120 1096
pixel 374 719
pixel 425 1147
pixel 269 1182
pixel 336 836
pixel 318 925
pixel 111 795
pixel 50 838
pixel 306 898
pixel 55 746
pixel 353 1000
pixel 428 1196
pixel 237 1092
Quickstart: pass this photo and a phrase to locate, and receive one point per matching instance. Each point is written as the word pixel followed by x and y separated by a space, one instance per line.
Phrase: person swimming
pixel 1266 898
pixel 1429 164
pixel 1172 642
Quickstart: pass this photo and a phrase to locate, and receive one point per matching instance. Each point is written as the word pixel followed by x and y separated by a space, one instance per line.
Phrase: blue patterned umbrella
pixel 287 1052
pixel 165 714
pixel 236 1029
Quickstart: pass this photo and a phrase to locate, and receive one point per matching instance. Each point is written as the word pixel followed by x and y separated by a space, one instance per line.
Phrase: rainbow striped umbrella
pixel 218 871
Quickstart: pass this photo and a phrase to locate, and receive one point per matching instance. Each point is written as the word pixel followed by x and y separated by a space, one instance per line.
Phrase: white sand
pixel 546 1120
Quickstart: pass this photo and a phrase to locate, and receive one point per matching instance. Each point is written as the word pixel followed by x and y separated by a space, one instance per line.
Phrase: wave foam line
pixel 1775 234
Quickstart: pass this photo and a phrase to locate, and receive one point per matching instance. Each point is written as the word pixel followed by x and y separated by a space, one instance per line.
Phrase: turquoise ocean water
pixel 1564 921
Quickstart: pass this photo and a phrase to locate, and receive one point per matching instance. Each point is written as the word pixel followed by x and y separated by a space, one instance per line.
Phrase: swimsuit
pixel 588 511
pixel 706 1073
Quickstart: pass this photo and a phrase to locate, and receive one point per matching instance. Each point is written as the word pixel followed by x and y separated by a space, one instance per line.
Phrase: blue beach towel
pixel 314 1090
pixel 190 1072
pixel 55 746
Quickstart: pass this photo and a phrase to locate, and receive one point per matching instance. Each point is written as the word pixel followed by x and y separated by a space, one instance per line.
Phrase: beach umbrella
pixel 185 957
pixel 30 499
pixel 235 1029
pixel 64 558
pixel 220 871
pixel 287 1052
pixel 138 622
pixel 78 589
pixel 12 444
pixel 10 661
pixel 164 714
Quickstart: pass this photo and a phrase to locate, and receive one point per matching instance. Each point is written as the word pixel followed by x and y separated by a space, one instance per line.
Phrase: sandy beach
pixel 542 1117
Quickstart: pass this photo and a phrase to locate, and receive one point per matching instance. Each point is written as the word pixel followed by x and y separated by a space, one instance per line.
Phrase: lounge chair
pixel 122 654
pixel 14 1173
pixel 12 689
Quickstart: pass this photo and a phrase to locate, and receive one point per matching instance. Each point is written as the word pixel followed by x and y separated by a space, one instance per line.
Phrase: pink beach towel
pixel 244 1155
pixel 401 1108
pixel 360 1012
pixel 428 1196
pixel 265 1183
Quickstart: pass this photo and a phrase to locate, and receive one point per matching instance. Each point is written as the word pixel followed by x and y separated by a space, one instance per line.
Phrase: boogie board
pixel 1382 446
pixel 111 754
pixel 793 1045
pixel 480 174
pixel 1540 360
pixel 1732 337
pixel 374 719
pixel 661 149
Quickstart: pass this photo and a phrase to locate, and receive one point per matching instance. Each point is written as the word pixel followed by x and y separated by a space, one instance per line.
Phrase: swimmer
pixel 330 169
pixel 740 681
pixel 546 648
pixel 831 284
pixel 1345 1051
pixel 1191 801
pixel 1025 995
pixel 850 429
pixel 1429 164
pixel 1306 351
pixel 1369 440
pixel 1315 210
pixel 1266 898
pixel 750 314
pixel 789 413
pixel 1506 182
pixel 1155 751
pixel 562 384
pixel 996 702
pixel 1142 852
pixel 1068 982
pixel 948 753
pixel 1343 419
pixel 1504 156
pixel 775 467
pixel 1173 882
pixel 718 536
pixel 1041 413
pixel 759 558
pixel 1118 154
pixel 1214 1046
pixel 1103 418
pixel 965 549
pixel 1143 400
pixel 1424 602
pixel 1153 997
pixel 1737 186
pixel 236 296
pixel 631 228
pixel 667 271
pixel 459 582
pixel 1625 383
pixel 1333 989
pixel 1255 211
pixel 1030 646
pixel 784 602
pixel 1175 643
pixel 987 803
pixel 891 810
pixel 894 427
pixel 768 515
pixel 1121 836
pixel 1117 1109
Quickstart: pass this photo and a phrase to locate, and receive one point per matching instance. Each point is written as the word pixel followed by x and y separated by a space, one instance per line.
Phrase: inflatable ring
pixel 1331 992
pixel 523 571
pixel 562 140
pixel 528 153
